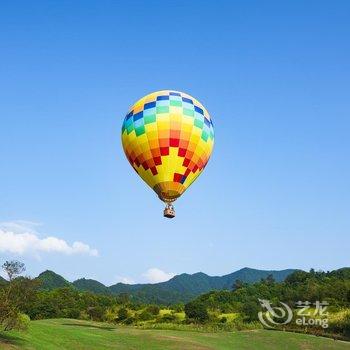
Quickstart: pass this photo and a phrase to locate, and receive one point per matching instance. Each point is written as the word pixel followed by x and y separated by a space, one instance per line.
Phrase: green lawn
pixel 72 334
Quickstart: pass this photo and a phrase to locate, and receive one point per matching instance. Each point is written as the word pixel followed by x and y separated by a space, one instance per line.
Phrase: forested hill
pixel 51 280
pixel 2 280
pixel 90 285
pixel 180 288
pixel 185 287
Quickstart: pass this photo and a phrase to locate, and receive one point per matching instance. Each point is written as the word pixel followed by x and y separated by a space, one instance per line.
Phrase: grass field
pixel 72 334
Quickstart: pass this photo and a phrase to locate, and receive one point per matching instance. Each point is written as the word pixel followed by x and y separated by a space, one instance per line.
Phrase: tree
pixel 297 277
pixel 96 313
pixel 250 310
pixel 145 315
pixel 13 268
pixel 237 284
pixel 196 311
pixel 270 279
pixel 15 297
pixel 122 314
pixel 178 307
pixel 153 309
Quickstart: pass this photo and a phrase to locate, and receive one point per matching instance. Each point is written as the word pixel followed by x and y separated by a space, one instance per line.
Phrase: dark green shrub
pixel 250 311
pixel 129 320
pixel 73 313
pixel 122 314
pixel 223 319
pixel 96 313
pixel 178 307
pixel 145 315
pixel 153 309
pixel 167 318
pixel 196 311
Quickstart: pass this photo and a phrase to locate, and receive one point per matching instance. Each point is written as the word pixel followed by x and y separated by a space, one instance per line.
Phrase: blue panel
pixel 128 122
pixel 174 94
pixel 138 116
pixel 187 105
pixel 138 123
pixel 198 115
pixel 199 110
pixel 149 105
pixel 163 103
pixel 207 122
pixel 149 111
pixel 188 100
pixel 205 128
pixel 129 115
pixel 175 98
pixel 160 98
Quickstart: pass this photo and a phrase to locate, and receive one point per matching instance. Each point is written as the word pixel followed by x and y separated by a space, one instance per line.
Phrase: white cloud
pixel 126 280
pixel 123 279
pixel 20 237
pixel 155 275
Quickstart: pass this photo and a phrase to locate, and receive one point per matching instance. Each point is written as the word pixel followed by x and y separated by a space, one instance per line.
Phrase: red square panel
pixel 157 160
pixel 186 162
pixel 174 142
pixel 177 177
pixel 182 152
pixel 164 151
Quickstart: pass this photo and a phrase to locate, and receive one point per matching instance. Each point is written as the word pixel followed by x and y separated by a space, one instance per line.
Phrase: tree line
pixel 21 300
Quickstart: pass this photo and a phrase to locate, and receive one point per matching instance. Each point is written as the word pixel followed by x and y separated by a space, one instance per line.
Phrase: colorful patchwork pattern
pixel 168 137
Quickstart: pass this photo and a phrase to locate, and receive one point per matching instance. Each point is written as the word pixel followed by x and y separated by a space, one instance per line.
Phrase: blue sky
pixel 274 76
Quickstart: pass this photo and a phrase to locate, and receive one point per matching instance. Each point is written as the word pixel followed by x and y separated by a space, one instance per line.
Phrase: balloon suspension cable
pixel 169 211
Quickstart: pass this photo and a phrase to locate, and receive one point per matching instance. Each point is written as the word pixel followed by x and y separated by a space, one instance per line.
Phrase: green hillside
pixel 179 289
pixel 2 281
pixel 90 285
pixel 65 334
pixel 185 287
pixel 51 280
pixel 248 275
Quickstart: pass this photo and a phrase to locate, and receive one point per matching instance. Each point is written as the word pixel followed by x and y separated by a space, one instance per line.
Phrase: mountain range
pixel 180 288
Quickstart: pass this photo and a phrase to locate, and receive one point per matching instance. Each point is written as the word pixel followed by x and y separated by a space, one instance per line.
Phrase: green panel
pixel 176 103
pixel 149 118
pixel 189 112
pixel 128 122
pixel 163 109
pixel 205 136
pixel 198 123
pixel 130 128
pixel 139 131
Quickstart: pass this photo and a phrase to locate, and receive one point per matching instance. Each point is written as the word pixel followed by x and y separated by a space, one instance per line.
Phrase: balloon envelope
pixel 168 137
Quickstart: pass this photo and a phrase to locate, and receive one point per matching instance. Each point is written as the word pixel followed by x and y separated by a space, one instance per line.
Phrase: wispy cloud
pixel 155 275
pixel 22 238
pixel 124 279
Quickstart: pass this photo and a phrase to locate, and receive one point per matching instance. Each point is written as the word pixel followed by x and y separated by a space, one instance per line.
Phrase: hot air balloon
pixel 168 137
